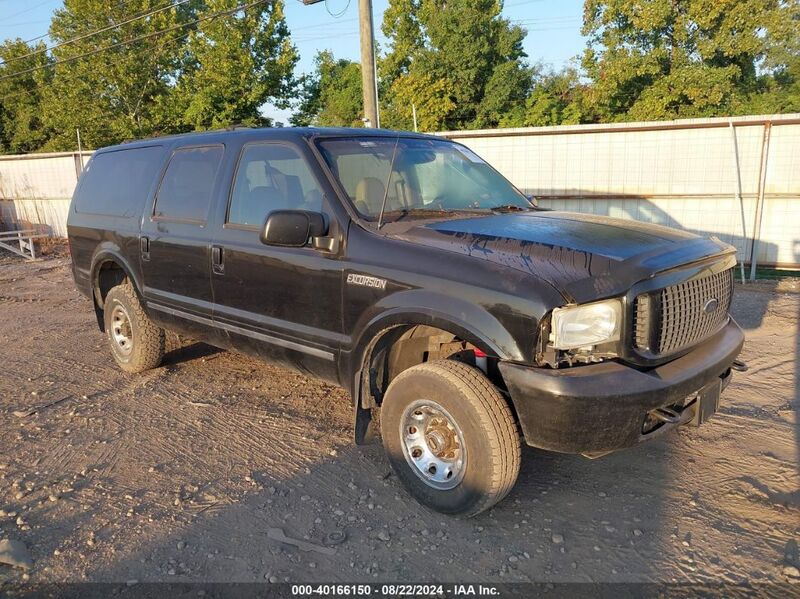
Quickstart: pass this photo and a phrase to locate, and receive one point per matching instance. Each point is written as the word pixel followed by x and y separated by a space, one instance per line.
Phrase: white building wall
pixel 35 190
pixel 677 173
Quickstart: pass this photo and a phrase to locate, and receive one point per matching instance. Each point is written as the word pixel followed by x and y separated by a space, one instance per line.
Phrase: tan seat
pixel 369 195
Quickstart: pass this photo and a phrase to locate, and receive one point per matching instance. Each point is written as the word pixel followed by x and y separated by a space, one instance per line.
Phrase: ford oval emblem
pixel 711 305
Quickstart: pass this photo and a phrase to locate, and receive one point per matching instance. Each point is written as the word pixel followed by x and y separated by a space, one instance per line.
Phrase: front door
pixel 280 303
pixel 175 243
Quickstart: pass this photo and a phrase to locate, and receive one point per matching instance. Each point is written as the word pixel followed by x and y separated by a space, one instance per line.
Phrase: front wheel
pixel 450 437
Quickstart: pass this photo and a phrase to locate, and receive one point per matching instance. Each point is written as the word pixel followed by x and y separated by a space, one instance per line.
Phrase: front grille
pixel 680 316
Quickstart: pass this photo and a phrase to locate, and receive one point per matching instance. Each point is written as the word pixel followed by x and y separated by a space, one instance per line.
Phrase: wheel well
pixel 109 275
pixel 398 348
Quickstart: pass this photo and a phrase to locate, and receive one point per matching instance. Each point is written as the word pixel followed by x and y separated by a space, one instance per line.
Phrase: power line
pixel 337 14
pixel 18 23
pixel 95 32
pixel 544 27
pixel 221 13
pixel 29 9
pixel 121 4
pixel 159 47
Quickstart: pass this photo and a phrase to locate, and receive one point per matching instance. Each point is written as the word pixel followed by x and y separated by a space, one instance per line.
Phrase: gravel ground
pixel 178 474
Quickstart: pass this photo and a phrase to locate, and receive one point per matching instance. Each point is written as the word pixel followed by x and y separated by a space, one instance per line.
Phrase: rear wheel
pixel 450 437
pixel 136 343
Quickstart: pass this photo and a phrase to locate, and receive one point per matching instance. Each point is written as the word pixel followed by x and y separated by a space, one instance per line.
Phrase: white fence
pixel 738 179
pixel 35 190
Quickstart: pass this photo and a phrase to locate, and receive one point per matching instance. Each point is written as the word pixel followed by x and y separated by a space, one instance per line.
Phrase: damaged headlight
pixel 587 325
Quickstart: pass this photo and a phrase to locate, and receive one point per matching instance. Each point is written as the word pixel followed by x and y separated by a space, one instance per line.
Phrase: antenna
pixel 388 180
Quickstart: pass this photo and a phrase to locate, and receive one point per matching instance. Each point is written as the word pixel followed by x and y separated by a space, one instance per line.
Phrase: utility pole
pixel 369 78
pixel 369 81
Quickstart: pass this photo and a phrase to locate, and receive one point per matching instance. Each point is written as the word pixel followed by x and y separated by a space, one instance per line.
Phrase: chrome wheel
pixel 121 331
pixel 433 444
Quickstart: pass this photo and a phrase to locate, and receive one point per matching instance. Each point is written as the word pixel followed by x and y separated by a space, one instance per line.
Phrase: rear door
pixel 175 241
pixel 107 207
pixel 280 303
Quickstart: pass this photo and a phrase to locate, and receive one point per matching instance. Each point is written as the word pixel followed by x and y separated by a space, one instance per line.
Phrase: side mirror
pixel 532 199
pixel 292 228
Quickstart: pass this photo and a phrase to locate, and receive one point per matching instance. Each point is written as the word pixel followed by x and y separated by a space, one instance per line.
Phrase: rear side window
pixel 186 188
pixel 117 183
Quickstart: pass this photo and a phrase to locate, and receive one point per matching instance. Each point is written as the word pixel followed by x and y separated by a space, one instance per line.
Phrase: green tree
pixel 557 98
pixel 235 65
pixel 433 99
pixel 664 59
pixel 465 49
pixel 331 95
pixel 23 75
pixel 118 93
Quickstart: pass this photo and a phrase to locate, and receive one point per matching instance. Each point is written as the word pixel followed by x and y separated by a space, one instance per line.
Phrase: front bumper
pixel 598 408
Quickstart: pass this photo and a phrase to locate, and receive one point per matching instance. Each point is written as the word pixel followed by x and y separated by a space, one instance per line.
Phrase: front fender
pixel 466 320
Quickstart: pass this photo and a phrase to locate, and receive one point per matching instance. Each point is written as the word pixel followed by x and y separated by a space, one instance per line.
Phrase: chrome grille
pixel 682 315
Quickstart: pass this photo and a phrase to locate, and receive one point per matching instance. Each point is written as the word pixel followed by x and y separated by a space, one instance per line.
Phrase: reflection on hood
pixel 582 255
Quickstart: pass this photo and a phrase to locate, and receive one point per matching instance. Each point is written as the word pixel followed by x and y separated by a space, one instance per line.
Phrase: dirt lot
pixel 178 474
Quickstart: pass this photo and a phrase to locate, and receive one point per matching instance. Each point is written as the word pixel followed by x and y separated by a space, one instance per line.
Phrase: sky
pixel 553 28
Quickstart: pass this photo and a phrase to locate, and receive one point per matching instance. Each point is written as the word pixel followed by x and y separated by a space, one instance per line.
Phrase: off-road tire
pixel 147 349
pixel 487 425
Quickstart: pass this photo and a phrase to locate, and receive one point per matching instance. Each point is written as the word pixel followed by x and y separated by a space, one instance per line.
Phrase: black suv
pixel 407 270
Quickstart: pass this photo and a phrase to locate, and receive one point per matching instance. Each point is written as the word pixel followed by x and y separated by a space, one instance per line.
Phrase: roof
pixel 291 133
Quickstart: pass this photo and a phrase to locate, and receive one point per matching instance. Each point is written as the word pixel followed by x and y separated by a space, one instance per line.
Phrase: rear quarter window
pixel 117 183
pixel 188 183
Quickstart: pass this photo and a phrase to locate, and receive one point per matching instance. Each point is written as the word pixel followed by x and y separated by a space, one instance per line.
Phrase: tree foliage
pixel 21 126
pixel 331 95
pixel 556 98
pixel 462 65
pixel 663 59
pixel 111 94
pixel 235 65
pixel 181 68
pixel 459 61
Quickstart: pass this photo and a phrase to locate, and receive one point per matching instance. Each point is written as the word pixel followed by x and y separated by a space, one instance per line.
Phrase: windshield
pixel 416 176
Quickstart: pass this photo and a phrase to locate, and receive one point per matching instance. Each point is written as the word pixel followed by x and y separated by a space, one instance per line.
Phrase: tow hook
pixel 667 415
pixel 739 366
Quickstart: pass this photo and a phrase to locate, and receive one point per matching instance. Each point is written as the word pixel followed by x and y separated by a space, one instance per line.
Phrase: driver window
pixel 271 177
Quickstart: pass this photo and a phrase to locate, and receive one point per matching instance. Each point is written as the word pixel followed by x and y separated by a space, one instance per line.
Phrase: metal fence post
pixel 762 183
pixel 738 195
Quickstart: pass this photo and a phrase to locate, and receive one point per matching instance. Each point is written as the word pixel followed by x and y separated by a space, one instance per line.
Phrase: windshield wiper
pixel 509 208
pixel 402 213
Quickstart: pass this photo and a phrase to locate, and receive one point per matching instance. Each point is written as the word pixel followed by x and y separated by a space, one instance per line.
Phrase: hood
pixel 584 256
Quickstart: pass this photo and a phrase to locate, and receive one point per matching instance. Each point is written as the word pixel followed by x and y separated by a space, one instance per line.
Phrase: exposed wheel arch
pixel 399 347
pixel 108 274
pixel 108 271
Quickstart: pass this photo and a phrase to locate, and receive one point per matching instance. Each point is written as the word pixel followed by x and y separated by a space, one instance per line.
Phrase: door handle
pixel 144 247
pixel 217 263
